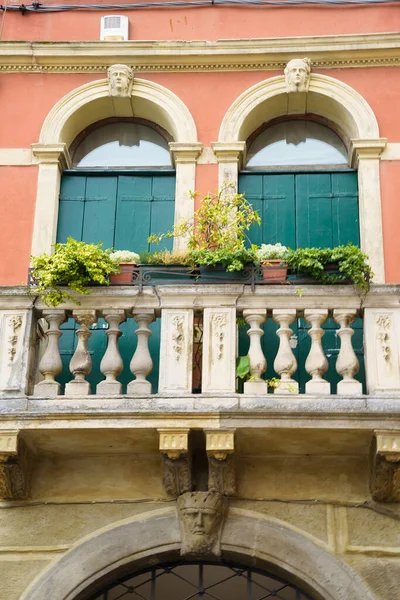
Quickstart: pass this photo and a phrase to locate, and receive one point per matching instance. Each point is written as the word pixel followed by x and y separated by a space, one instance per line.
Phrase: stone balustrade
pixel 32 366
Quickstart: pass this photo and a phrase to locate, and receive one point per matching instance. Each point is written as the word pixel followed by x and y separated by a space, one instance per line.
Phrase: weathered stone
pixel 200 516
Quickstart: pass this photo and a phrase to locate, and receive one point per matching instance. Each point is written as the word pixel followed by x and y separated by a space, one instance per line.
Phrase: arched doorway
pixel 205 581
pixel 249 540
pixel 298 177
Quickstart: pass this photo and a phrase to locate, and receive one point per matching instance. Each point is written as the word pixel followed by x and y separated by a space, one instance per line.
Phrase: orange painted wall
pixel 210 23
pixel 17 202
pixel 390 186
pixel 26 99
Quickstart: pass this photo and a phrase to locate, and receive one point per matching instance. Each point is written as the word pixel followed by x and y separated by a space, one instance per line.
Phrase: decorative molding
pixel 13 466
pixel 52 154
pixel 201 516
pixel 221 464
pixel 297 75
pixel 120 80
pixel 326 52
pixel 174 448
pixel 174 442
pixel 366 149
pixel 185 153
pixel 385 472
pixel 15 324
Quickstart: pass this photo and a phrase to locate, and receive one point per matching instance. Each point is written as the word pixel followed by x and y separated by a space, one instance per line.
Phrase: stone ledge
pixel 358 412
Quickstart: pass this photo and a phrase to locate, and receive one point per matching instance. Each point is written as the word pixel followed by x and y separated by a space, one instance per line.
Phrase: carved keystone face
pixel 200 515
pixel 120 80
pixel 297 75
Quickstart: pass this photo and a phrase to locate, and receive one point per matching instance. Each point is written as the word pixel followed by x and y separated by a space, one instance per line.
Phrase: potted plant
pixel 216 234
pixel 74 264
pixel 127 261
pixel 167 265
pixel 273 264
pixel 342 264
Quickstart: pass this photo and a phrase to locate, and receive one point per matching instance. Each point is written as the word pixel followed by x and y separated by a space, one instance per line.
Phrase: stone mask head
pixel 297 75
pixel 200 516
pixel 120 79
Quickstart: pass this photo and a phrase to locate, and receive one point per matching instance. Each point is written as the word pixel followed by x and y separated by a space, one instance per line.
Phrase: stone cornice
pixel 325 52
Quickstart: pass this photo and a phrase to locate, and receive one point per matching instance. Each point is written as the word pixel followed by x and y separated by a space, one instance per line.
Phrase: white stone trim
pixel 88 104
pixel 329 51
pixel 17 157
pixel 341 104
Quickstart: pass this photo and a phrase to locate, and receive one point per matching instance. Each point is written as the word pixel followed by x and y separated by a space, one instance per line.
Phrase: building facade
pixel 122 473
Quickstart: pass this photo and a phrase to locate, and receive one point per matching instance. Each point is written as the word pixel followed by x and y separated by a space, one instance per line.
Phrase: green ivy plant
pixel 218 230
pixel 74 264
pixel 351 263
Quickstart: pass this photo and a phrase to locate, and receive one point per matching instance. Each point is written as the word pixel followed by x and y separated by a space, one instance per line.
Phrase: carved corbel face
pixel 120 80
pixel 200 516
pixel 297 75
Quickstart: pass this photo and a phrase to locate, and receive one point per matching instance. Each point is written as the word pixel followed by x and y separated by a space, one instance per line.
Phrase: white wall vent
pixel 114 27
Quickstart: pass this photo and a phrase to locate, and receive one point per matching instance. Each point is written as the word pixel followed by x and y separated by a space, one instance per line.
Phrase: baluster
pixel 347 364
pixel 258 362
pixel 111 364
pixel 285 362
pixel 51 365
pixel 316 363
pixel 141 364
pixel 81 362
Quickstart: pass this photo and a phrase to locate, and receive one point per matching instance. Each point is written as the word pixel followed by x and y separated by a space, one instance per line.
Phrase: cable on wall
pixel 37 7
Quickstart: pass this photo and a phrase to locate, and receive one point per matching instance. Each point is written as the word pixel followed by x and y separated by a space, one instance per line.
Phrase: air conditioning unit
pixel 114 27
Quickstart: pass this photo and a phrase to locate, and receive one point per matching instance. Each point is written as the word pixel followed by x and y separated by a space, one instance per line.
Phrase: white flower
pixel 124 256
pixel 270 252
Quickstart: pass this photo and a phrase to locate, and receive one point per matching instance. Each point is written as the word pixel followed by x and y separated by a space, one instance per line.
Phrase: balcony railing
pixel 30 339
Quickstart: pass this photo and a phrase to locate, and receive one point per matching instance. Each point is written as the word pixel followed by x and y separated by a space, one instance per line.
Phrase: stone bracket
pixel 385 466
pixel 220 447
pixel 174 448
pixel 14 476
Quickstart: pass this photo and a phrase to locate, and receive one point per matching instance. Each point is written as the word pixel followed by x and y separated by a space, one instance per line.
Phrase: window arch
pixel 122 143
pixel 296 143
pixel 181 581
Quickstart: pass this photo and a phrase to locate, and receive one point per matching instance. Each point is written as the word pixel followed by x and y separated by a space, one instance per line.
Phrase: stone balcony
pixel 40 416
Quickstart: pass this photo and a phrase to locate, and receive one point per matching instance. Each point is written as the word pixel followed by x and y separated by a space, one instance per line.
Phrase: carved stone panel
pixel 201 517
pixel 176 351
pixel 382 349
pixel 219 350
pixel 12 327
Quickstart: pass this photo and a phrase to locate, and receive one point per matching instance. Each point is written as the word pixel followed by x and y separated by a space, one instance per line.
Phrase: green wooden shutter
pixel 299 210
pixel 121 211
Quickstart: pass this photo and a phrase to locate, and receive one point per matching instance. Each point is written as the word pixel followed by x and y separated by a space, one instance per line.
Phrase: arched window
pixel 122 144
pixel 296 143
pixel 208 581
pixel 297 177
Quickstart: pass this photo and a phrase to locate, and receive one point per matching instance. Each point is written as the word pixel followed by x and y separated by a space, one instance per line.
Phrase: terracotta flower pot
pixel 274 271
pixel 126 276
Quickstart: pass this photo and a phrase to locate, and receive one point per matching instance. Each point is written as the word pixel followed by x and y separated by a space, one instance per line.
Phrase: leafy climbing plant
pixel 74 264
pixel 218 230
pixel 351 263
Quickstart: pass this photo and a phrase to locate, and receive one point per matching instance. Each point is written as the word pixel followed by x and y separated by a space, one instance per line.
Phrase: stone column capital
pixel 185 152
pixel 361 148
pixel 230 152
pixel 52 154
